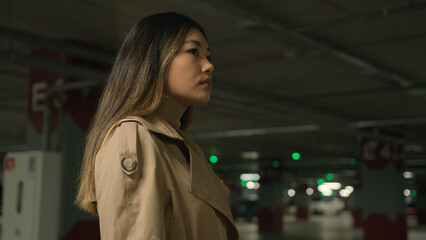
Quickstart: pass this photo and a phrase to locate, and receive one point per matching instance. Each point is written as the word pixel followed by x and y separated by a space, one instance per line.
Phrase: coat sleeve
pixel 131 195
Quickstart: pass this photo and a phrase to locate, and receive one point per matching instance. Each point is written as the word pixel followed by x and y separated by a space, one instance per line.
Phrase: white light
pixel 333 185
pixel 309 191
pixel 350 189
pixel 327 193
pixel 251 155
pixel 408 175
pixel 249 177
pixel 407 192
pixel 291 193
pixel 325 190
pixel 245 177
pixel 256 185
pixel 250 185
pixel 256 177
pixel 344 193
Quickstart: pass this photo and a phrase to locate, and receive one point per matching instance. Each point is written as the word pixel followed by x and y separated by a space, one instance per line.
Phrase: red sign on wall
pixel 40 81
pixel 377 154
pixel 9 163
pixel 80 103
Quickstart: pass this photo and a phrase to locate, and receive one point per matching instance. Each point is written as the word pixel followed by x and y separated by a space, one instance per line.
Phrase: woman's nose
pixel 208 66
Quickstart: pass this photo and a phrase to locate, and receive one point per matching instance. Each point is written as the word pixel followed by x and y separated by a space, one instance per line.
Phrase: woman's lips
pixel 207 82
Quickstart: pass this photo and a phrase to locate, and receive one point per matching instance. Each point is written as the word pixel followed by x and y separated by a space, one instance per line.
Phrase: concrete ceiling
pixel 300 76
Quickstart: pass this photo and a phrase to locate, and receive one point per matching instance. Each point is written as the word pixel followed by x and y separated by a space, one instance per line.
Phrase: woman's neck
pixel 171 111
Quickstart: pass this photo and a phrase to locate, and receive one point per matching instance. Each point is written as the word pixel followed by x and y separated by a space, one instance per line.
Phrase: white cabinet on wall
pixel 31 195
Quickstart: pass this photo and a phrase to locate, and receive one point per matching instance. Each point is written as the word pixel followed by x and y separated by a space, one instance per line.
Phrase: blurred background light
pixel 291 192
pixel 296 156
pixel 408 175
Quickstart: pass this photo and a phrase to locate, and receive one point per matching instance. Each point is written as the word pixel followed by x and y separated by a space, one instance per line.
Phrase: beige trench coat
pixel 162 196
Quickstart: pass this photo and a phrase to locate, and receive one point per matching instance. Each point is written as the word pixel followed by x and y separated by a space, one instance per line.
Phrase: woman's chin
pixel 203 101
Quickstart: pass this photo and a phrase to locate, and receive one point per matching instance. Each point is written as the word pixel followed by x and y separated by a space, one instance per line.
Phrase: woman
pixel 140 173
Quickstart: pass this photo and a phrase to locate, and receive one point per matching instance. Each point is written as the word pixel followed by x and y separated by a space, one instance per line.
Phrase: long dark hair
pixel 134 87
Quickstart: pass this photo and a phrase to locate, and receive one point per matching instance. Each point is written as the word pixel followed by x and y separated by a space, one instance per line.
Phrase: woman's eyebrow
pixel 195 42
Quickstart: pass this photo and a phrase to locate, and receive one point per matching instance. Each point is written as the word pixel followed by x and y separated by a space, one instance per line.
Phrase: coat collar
pixel 155 123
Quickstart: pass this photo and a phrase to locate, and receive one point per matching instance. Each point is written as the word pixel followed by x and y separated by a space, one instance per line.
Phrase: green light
pixel 275 164
pixel 413 193
pixel 213 159
pixel 320 181
pixel 352 161
pixel 295 156
pixel 330 177
pixel 322 195
pixel 244 183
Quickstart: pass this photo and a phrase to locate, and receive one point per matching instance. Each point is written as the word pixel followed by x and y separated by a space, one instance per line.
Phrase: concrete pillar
pixel 421 205
pixel 270 211
pixel 355 206
pixel 75 224
pixel 70 116
pixel 301 201
pixel 234 198
pixel 383 186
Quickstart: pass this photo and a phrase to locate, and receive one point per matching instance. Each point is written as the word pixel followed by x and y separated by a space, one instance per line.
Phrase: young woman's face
pixel 189 80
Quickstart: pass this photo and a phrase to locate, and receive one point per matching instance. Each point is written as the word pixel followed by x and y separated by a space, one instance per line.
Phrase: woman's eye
pixel 193 51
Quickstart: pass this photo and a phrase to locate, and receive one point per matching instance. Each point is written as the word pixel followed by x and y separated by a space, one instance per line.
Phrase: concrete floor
pixel 327 227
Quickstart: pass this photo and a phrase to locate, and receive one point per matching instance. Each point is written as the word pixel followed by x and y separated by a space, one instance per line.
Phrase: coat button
pixel 128 163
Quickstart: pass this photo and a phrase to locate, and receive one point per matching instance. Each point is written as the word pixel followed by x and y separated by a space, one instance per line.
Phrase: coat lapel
pixel 207 186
